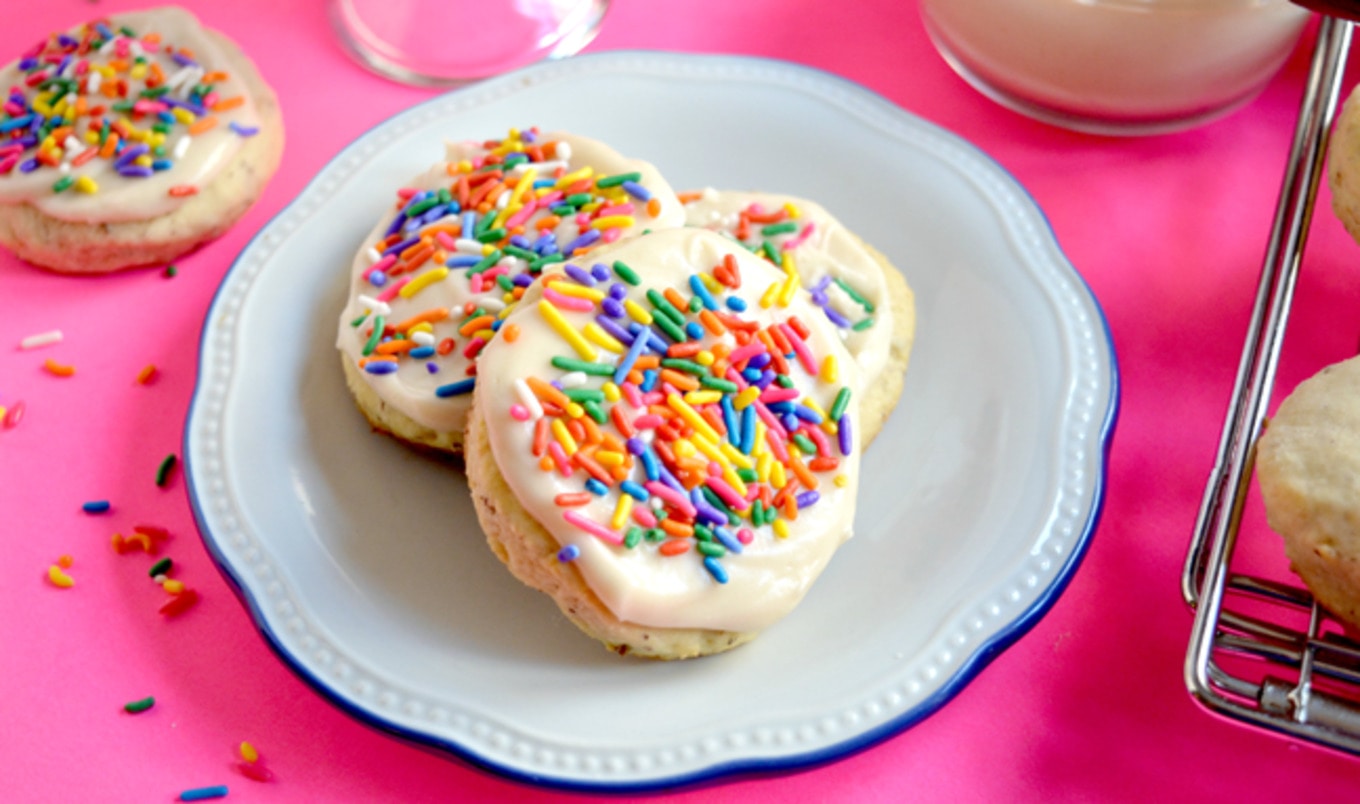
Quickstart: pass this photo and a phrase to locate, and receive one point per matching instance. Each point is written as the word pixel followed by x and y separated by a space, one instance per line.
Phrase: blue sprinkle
pixel 377 279
pixel 569 553
pixel 728 539
pixel 7 126
pixel 455 388
pixel 715 569
pixel 632 489
pixel 380 367
pixel 96 507
pixel 596 487
pixel 807 414
pixel 204 793
pixel 463 261
pixel 649 378
pixel 162 164
pixel 165 117
pixel 636 190
pixel 748 430
pixel 432 367
pixel 750 374
pixel 650 465
pixel 422 351
pixel 701 290
pixel 695 330
pixel 736 303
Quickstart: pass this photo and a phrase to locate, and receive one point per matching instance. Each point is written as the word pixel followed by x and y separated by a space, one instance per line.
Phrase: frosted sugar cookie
pixel 1308 467
pixel 856 287
pixel 432 281
pixel 673 463
pixel 131 140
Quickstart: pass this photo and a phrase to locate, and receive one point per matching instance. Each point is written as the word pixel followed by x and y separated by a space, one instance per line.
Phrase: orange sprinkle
pixel 547 222
pixel 432 316
pixel 475 324
pixel 59 369
pixel 547 393
pixel 593 434
pixel 680 380
pixel 214 77
pixel 573 500
pixel 690 196
pixel 541 437
pixel 202 124
pixel 546 464
pixel 576 429
pixel 621 422
pixel 645 362
pixel 686 349
pixel 84 156
pixel 66 562
pixel 678 529
pixel 673 547
pixel 510 332
pixel 711 322
pixel 157 76
pixel 182 190
pixel 147 374
pixel 800 470
pixel 110 146
pixel 592 468
pixel 395 347
pixel 673 296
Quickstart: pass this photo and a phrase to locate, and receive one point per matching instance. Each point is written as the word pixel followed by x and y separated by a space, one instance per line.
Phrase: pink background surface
pixel 1169 232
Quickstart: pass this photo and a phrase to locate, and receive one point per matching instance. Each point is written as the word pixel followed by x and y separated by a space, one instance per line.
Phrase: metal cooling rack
pixel 1264 652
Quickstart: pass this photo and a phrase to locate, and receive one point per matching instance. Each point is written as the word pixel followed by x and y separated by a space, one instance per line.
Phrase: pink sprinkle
pixel 475 284
pixel 519 413
pixel 559 457
pixel 617 209
pixel 776 442
pixel 818 437
pixel 612 234
pixel 567 302
pixel 551 198
pixel 774 394
pixel 670 495
pixel 393 289
pixel 745 535
pixel 632 394
pixel 728 494
pixel 644 516
pixel 381 265
pixel 405 193
pixel 474 346
pixel 523 214
pixel 800 348
pixel 592 527
pixel 794 242
pixel 14 415
pixel 7 164
pixel 648 421
pixel 743 353
pixel 446 240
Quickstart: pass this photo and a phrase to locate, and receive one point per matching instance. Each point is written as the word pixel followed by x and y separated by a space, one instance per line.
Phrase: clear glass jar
pixel 1116 66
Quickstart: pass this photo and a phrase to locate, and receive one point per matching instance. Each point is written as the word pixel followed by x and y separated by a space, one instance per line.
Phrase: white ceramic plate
pixel 363 564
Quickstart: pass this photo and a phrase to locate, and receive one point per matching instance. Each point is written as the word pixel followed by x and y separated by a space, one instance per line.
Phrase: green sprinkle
pixel 702 532
pixel 719 384
pixel 491 235
pixel 171 271
pixel 139 706
pixel 417 208
pixel 547 259
pixel 757 512
pixel 585 367
pixel 562 210
pixel 577 199
pixel 655 535
pixel 583 394
pixel 695 304
pixel 664 306
pixel 784 380
pixel 487 263
pixel 154 93
pixel 63 183
pixel 669 327
pixel 804 443
pixel 748 475
pixel 632 537
pixel 444 195
pixel 625 273
pixel 379 324
pixel 838 407
pixel 770 253
pixel 356 322
pixel 787 227
pixel 123 106
pixel 523 253
pixel 717 502
pixel 483 225
pixel 711 549
pixel 593 409
pixel 854 294
pixel 505 283
pixel 863 325
pixel 615 181
pixel 687 366
pixel 167 466
pixel 160 567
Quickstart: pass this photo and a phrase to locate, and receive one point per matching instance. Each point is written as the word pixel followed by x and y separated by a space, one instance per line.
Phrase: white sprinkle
pixel 466 245
pixel 71 143
pixel 491 304
pixel 573 379
pixel 528 400
pixel 182 146
pixel 545 167
pixel 92 85
pixel 41 339
pixel 422 337
pixel 513 264
pixel 373 255
pixel 375 306
pixel 563 151
pixel 503 201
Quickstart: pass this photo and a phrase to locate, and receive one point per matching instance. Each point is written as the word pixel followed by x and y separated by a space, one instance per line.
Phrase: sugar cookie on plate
pixel 461 244
pixel 131 140
pixel 855 286
pixel 641 450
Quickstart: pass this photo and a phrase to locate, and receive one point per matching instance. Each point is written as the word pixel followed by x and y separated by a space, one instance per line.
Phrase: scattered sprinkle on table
pixel 204 793
pixel 14 415
pixel 96 507
pixel 59 369
pixel 166 470
pixel 41 339
pixel 180 603
pixel 171 270
pixel 58 578
pixel 146 375
pixel 133 707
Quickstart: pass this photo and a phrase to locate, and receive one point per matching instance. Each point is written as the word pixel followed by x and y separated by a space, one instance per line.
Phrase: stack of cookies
pixel 660 399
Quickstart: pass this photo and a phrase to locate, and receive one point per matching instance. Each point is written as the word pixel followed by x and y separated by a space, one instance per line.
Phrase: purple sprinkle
pixel 807 414
pixel 819 298
pixel 822 284
pixel 619 333
pixel 135 171
pixel 523 280
pixel 197 109
pixel 637 191
pixel 618 291
pixel 27 141
pixel 600 271
pixel 636 445
pixel 789 421
pixel 579 275
pixel 528 136
pixel 380 367
pixel 569 553
pixel 807 499
pixel 836 318
pixel 377 278
pixel 546 244
pixel 520 241
pixel 183 60
pixel 402 246
pixel 130 154
pixel 28 166
pixel 244 131
pixel 27 64
pixel 843 436
pixel 611 307
pixel 587 238
pixel 432 367
pixel 759 361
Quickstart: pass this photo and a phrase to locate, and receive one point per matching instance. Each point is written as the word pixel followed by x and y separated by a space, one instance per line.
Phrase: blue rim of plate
pixel 986 652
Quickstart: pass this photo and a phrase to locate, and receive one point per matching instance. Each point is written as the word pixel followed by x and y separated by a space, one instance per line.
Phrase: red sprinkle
pixel 255 771
pixel 180 603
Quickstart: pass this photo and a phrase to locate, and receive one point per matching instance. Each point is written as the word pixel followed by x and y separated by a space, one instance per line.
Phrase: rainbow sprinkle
pixel 501 218
pixel 107 93
pixel 698 428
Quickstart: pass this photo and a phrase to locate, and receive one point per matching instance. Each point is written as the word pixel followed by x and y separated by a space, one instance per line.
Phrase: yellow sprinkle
pixel 423 326
pixel 509 299
pixel 484 334
pixel 59 578
pixel 621 512
pixel 142 161
pixel 746 397
pixel 763 467
pixel 692 416
pixel 590 206
pixel 42 107
pixel 791 208
pixel 526 181
pixel 762 447
pixel 138 71
pixel 155 139
pixel 87 185
pixel 703 397
pixel 423 281
pixel 48 144
pixel 777 477
pixel 704 358
pixel 464 166
pixel 559 431
pixel 735 455
pixel 596 335
pixel 577 291
pixel 841 481
pixel 182 115
pixel 3 409
pixel 684 448
pixel 568 333
pixel 738 485
pixel 574 410
pixel 612 221
pixel 791 285
pixel 572 178
pixel 248 752
pixel 713 285
pixel 829 372
pixel 609 457
pixel 611 393
pixel 637 312
pixel 767 298
pixel 710 451
pixel 781 528
pixel 173 586
pixel 91 137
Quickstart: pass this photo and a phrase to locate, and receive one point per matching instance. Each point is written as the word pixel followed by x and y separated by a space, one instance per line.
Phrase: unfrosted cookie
pixel 1308 467
pixel 1343 165
pixel 856 287
pixel 131 140
pixel 641 450
pixel 461 243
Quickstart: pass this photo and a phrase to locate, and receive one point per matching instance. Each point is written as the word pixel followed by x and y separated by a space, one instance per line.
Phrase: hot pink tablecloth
pixel 1169 232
